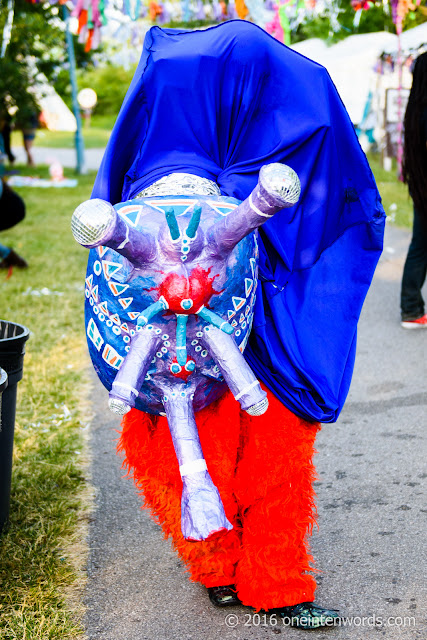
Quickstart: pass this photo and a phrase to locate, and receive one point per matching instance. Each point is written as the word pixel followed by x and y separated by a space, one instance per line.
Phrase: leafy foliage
pixel 37 46
pixel 377 18
pixel 110 83
pixel 42 554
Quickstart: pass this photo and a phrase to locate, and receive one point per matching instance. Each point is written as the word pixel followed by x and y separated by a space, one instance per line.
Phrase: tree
pixel 377 18
pixel 37 46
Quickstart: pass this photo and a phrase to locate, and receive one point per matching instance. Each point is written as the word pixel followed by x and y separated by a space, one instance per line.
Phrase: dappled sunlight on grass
pixel 38 567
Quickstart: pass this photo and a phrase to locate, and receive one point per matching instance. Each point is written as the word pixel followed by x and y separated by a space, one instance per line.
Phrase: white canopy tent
pixel 57 116
pixel 351 65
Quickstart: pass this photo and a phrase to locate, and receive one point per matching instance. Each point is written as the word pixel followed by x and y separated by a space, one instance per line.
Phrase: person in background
pixel 12 211
pixel 27 121
pixel 415 176
pixel 5 131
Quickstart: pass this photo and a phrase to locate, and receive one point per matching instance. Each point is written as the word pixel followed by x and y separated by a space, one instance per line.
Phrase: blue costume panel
pixel 221 103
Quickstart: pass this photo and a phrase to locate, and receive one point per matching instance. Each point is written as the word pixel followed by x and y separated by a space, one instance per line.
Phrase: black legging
pixel 12 208
pixel 414 272
pixel 5 132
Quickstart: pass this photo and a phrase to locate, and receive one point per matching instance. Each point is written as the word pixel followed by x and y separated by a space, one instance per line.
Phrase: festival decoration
pixel 170 291
pixel 7 29
pixel 275 27
pixel 91 17
pixel 359 6
pixel 399 11
pixel 241 9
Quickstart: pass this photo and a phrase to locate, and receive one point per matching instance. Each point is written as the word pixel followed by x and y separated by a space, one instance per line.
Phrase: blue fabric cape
pixel 220 103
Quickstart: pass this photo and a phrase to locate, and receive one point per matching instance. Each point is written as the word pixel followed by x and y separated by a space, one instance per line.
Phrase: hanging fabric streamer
pixel 241 8
pixel 284 23
pixel 137 10
pixel 186 13
pixel 91 16
pixel 7 31
pixel 155 10
pixel 274 27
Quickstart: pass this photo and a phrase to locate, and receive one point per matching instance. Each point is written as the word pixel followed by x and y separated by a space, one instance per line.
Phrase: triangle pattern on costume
pixel 89 281
pixel 102 250
pixel 115 318
pixel 110 268
pixel 103 307
pixel 131 213
pixel 248 286
pixel 117 288
pixel 223 208
pixel 238 302
pixel 253 265
pixel 111 356
pixel 133 314
pixel 180 207
pixel 242 318
pixel 94 293
pixel 124 327
pixel 125 302
pixel 231 314
pixel 234 323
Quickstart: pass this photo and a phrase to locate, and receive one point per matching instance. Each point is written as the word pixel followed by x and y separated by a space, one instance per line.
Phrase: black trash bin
pixel 3 383
pixel 12 349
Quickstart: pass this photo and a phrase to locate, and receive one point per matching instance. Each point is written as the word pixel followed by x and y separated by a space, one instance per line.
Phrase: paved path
pixel 67 157
pixel 371 507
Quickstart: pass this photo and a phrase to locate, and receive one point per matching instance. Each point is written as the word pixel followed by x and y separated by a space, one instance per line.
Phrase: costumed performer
pixel 415 176
pixel 220 104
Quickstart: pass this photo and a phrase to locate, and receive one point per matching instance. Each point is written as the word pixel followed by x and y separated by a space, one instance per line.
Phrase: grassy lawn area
pixel 95 136
pixel 39 553
pixel 394 194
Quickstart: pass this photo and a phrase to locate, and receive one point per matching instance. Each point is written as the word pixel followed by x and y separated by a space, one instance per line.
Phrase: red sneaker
pixel 419 323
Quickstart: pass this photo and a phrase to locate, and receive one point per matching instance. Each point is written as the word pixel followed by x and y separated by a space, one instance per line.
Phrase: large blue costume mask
pixel 220 104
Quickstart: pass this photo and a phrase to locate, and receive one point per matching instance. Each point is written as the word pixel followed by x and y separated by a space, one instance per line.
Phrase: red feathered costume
pixel 263 469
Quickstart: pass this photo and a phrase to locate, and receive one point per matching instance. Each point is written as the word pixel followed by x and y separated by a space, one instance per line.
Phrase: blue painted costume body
pixel 118 291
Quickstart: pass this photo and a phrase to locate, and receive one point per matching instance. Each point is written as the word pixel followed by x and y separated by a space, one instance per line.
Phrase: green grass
pixel 94 136
pixel 394 194
pixel 39 552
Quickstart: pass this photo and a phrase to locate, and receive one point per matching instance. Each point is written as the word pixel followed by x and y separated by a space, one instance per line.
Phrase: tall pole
pixel 80 151
pixel 399 105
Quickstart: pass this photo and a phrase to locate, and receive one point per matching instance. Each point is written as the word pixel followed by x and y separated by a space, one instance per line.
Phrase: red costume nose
pixel 187 294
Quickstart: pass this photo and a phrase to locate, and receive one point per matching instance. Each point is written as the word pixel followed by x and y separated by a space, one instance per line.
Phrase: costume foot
pixel 307 615
pixel 223 596
pixel 13 260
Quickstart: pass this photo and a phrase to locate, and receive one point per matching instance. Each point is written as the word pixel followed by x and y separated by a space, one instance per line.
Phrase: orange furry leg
pixel 269 500
pixel 274 486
